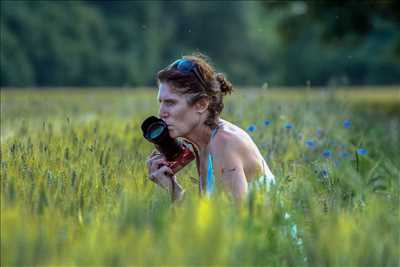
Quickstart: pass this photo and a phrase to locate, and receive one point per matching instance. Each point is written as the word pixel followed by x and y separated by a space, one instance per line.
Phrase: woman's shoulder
pixel 229 135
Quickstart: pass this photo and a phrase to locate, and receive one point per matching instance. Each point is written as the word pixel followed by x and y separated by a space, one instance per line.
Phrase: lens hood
pixel 155 130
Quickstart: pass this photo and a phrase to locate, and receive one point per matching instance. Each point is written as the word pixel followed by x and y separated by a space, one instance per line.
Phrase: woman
pixel 191 100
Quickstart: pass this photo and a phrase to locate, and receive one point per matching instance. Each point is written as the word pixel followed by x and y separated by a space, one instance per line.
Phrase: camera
pixel 178 155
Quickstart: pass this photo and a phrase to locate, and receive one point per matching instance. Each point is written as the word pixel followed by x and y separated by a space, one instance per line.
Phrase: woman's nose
pixel 162 113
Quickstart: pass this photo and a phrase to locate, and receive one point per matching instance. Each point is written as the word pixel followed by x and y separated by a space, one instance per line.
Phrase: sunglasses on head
pixel 185 66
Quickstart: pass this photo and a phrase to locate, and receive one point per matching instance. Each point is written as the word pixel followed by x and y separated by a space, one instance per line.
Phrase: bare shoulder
pixel 230 136
pixel 233 147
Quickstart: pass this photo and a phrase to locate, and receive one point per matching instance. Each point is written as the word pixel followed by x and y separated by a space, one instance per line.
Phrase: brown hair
pixel 216 85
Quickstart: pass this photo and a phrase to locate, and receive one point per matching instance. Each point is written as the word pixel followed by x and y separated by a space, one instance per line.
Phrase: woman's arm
pixel 229 169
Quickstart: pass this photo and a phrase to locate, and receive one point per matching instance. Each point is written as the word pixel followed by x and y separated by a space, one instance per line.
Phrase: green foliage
pixel 346 58
pixel 124 43
pixel 74 189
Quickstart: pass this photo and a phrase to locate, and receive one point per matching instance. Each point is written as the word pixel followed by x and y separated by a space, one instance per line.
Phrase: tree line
pixel 124 43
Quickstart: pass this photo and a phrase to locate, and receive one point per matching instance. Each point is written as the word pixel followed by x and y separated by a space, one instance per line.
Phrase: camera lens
pixel 155 130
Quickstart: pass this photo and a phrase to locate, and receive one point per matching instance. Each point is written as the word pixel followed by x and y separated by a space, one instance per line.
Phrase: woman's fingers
pixel 157 156
pixel 162 177
pixel 157 164
pixel 155 159
pixel 165 171
pixel 154 152
pixel 158 170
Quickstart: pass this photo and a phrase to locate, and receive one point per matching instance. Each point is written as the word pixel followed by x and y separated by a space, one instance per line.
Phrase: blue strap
pixel 210 181
pixel 210 176
pixel 213 132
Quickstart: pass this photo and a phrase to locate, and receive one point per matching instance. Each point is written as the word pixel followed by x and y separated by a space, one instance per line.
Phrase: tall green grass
pixel 74 189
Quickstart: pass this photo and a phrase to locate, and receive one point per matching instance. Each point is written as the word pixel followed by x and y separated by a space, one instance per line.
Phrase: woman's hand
pixel 163 176
pixel 158 170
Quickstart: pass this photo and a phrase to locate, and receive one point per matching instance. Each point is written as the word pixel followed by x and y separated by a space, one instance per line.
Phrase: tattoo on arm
pixel 230 170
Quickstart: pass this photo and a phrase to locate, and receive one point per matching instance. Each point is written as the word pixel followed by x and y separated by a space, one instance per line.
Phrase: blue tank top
pixel 210 179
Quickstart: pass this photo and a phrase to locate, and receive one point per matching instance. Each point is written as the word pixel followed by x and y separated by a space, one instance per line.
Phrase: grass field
pixel 74 190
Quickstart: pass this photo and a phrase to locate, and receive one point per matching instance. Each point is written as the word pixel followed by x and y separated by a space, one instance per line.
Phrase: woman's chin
pixel 174 134
pixel 171 133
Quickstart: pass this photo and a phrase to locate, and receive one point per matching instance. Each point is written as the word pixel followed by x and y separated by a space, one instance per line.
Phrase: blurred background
pixel 255 43
pixel 73 179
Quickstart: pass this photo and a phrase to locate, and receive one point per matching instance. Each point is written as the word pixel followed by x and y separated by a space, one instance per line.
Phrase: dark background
pixel 124 43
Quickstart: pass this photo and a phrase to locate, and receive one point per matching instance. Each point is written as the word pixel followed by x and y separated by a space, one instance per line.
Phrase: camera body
pixel 184 158
pixel 178 155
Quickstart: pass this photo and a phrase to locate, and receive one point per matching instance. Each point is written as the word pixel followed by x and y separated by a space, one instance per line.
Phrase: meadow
pixel 74 187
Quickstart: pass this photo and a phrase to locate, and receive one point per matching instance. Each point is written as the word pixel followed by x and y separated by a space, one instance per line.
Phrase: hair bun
pixel 225 85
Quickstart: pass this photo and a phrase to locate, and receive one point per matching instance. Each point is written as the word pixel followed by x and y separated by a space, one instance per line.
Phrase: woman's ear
pixel 202 105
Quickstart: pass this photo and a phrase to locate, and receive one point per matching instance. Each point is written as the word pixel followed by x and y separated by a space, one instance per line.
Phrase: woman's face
pixel 175 111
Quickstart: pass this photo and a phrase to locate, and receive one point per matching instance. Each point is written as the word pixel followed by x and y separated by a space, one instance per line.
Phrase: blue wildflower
pixel 362 151
pixel 327 153
pixel 324 173
pixel 306 158
pixel 310 143
pixel 267 122
pixel 251 128
pixel 288 125
pixel 347 124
